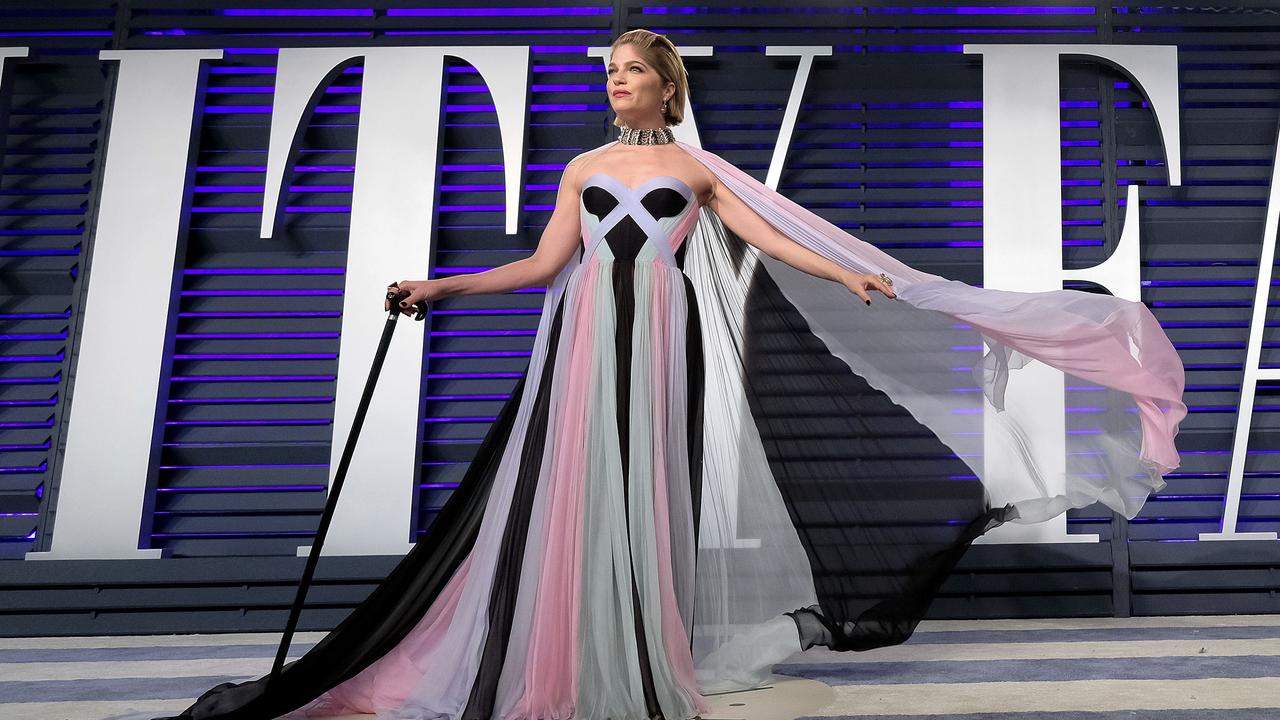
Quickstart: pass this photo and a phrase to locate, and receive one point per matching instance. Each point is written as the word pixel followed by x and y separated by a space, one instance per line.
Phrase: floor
pixel 1185 668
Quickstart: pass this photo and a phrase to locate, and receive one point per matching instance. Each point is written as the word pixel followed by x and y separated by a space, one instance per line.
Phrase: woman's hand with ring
pixel 860 283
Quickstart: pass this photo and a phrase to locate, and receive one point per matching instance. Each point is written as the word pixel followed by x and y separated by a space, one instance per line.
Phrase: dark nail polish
pixel 868 302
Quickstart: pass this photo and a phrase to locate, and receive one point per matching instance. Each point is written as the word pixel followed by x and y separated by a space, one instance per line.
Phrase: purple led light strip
pixel 297 12
pixel 874 10
pixel 250 336
pixel 253 378
pixel 265 271
pixel 498 12
pixel 257 466
pixel 256 356
pixel 244 488
pixel 251 400
pixel 221 423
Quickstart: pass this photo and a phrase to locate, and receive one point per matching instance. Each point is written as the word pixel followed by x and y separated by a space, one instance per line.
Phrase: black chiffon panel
pixel 400 601
pixel 502 600
pixel 883 508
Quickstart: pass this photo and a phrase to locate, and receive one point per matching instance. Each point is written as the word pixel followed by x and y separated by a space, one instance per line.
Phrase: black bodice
pixel 626 237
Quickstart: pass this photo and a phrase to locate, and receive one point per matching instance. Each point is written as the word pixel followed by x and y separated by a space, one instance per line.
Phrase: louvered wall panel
pixel 248 476
pixel 249 418
pixel 251 404
pixel 480 344
pixel 1201 273
pixel 53 117
pixel 1203 266
pixel 888 147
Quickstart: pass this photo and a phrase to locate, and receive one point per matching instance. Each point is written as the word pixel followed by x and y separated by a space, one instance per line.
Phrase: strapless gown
pixel 577 595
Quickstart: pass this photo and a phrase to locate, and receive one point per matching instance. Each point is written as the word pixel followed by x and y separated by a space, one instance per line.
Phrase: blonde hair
pixel 663 57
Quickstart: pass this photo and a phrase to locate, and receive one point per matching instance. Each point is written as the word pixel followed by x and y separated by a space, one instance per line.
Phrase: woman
pixel 690 482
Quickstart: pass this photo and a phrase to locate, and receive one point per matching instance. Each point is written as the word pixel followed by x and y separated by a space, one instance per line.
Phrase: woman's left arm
pixel 757 231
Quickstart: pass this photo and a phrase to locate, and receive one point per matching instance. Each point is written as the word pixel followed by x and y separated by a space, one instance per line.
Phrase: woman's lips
pixel 621 93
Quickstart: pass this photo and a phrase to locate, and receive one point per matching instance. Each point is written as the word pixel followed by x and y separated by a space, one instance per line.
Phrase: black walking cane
pixel 331 503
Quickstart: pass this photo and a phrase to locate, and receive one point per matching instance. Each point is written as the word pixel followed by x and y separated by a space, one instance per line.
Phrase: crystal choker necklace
pixel 646 136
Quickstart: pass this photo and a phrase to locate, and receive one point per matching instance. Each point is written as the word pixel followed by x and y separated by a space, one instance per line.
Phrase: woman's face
pixel 636 91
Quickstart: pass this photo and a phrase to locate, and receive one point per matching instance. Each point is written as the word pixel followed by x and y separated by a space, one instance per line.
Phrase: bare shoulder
pixel 573 175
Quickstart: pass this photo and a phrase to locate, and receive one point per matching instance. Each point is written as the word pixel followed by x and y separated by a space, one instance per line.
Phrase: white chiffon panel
pixel 751 566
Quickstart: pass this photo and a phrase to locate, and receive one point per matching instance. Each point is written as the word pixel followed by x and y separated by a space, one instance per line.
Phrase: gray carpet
pixel 1199 668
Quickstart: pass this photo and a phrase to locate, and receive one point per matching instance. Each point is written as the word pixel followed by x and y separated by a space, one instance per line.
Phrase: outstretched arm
pixel 555 248
pixel 757 231
pixel 559 239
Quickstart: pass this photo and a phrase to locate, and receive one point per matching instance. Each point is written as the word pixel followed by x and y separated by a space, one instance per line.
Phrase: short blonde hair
pixel 663 57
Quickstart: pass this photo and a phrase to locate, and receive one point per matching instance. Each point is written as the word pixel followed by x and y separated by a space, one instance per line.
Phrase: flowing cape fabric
pixel 880 435
pixel 850 453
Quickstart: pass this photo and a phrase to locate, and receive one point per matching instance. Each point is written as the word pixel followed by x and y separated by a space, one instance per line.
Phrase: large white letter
pixel 135 264
pixel 1022 235
pixel 392 208
pixel 1252 373
pixel 783 142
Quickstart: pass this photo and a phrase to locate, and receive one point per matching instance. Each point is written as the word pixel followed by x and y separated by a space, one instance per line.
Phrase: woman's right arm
pixel 559 240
